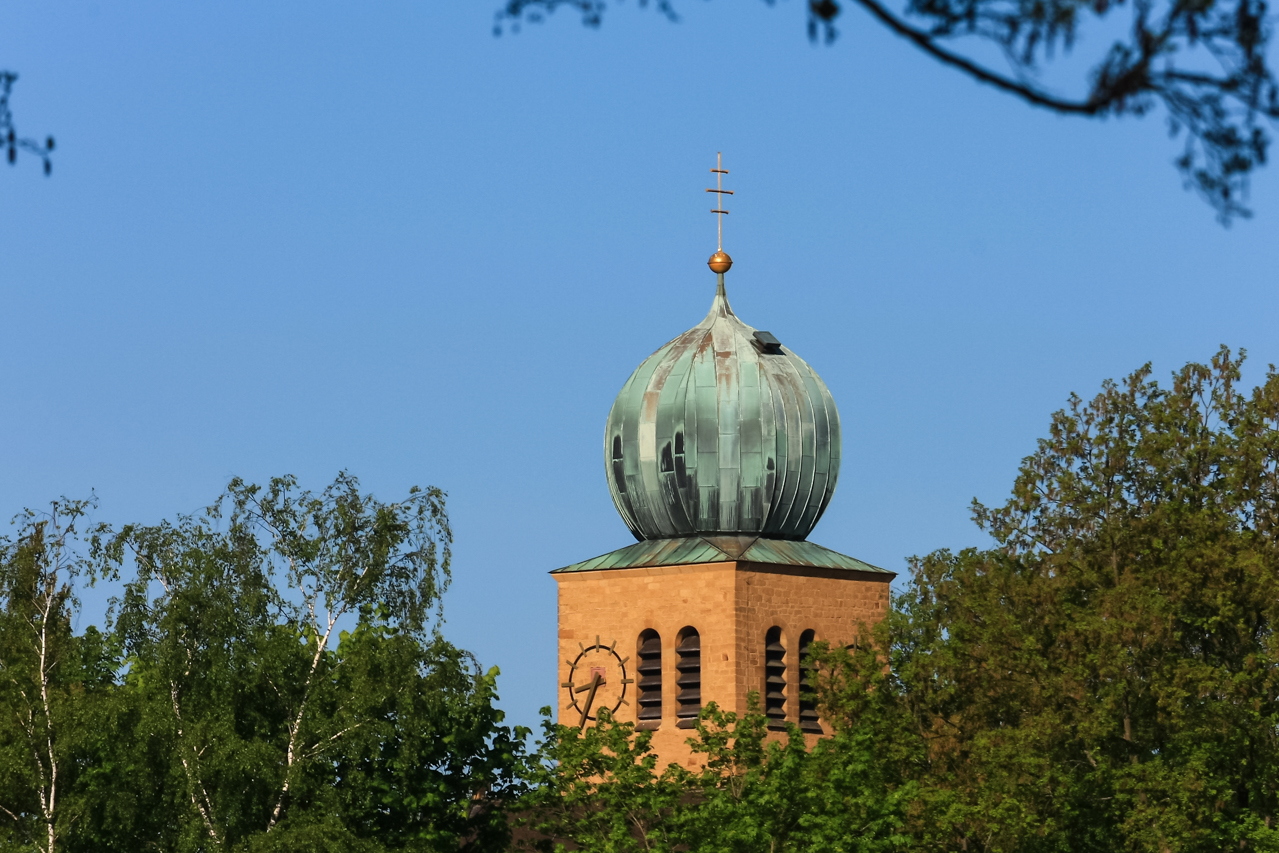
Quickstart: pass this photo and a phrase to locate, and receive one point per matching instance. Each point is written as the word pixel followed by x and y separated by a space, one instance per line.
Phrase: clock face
pixel 596 679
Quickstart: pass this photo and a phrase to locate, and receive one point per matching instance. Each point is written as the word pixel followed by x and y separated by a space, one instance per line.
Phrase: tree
pixel 285 731
pixel 1106 677
pixel 50 680
pixel 1205 62
pixel 9 138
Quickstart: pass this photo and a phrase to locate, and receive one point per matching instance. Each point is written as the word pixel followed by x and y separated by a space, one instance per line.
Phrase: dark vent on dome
pixel 767 343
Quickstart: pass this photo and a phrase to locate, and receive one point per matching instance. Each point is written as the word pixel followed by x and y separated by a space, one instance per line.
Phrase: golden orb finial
pixel 720 261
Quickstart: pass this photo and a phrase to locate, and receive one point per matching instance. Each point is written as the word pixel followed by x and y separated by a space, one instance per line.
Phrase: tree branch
pixel 205 808
pixel 324 744
pixel 925 42
pixel 291 756
pixel 9 139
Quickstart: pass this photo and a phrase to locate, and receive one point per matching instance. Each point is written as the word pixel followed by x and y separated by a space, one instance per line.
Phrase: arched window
pixel 807 675
pixel 649 653
pixel 688 702
pixel 774 678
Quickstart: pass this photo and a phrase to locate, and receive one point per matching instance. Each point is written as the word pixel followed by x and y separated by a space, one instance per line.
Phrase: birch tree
pixel 39 569
pixel 292 639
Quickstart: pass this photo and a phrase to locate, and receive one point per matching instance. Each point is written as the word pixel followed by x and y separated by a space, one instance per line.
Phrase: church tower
pixel 721 453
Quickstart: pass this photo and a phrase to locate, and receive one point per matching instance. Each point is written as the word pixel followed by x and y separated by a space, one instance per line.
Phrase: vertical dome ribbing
pixel 722 432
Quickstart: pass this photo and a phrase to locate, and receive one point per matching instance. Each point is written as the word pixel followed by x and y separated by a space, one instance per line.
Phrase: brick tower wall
pixel 732 605
pixel 829 602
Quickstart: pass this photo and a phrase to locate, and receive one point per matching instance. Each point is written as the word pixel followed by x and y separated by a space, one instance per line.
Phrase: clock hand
pixel 596 681
pixel 587 686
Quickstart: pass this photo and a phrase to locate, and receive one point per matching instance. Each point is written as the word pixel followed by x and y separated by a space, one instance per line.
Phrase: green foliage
pixel 762 793
pixel 228 709
pixel 601 790
pixel 50 679
pixel 1106 677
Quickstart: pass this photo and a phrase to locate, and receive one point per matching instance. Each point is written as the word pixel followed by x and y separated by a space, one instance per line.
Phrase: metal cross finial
pixel 720 261
pixel 720 172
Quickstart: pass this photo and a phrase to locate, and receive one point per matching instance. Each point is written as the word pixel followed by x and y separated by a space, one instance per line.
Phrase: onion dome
pixel 722 431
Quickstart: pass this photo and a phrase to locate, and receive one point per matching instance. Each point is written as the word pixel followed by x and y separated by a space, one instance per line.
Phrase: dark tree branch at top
pixel 534 11
pixel 9 139
pixel 1204 60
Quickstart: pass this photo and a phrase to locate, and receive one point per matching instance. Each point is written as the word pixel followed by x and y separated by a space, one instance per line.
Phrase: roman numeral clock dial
pixel 596 679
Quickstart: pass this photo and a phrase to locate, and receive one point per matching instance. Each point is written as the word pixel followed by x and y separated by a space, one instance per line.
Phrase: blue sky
pixel 297 237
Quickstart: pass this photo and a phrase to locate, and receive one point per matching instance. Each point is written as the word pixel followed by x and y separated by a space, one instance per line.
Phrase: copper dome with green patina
pixel 722 431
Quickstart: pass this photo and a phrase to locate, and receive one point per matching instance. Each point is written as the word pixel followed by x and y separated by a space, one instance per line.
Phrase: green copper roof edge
pixel 694 550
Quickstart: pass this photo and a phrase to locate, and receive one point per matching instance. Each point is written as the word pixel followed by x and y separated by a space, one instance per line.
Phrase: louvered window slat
pixel 649 684
pixel 689 665
pixel 774 678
